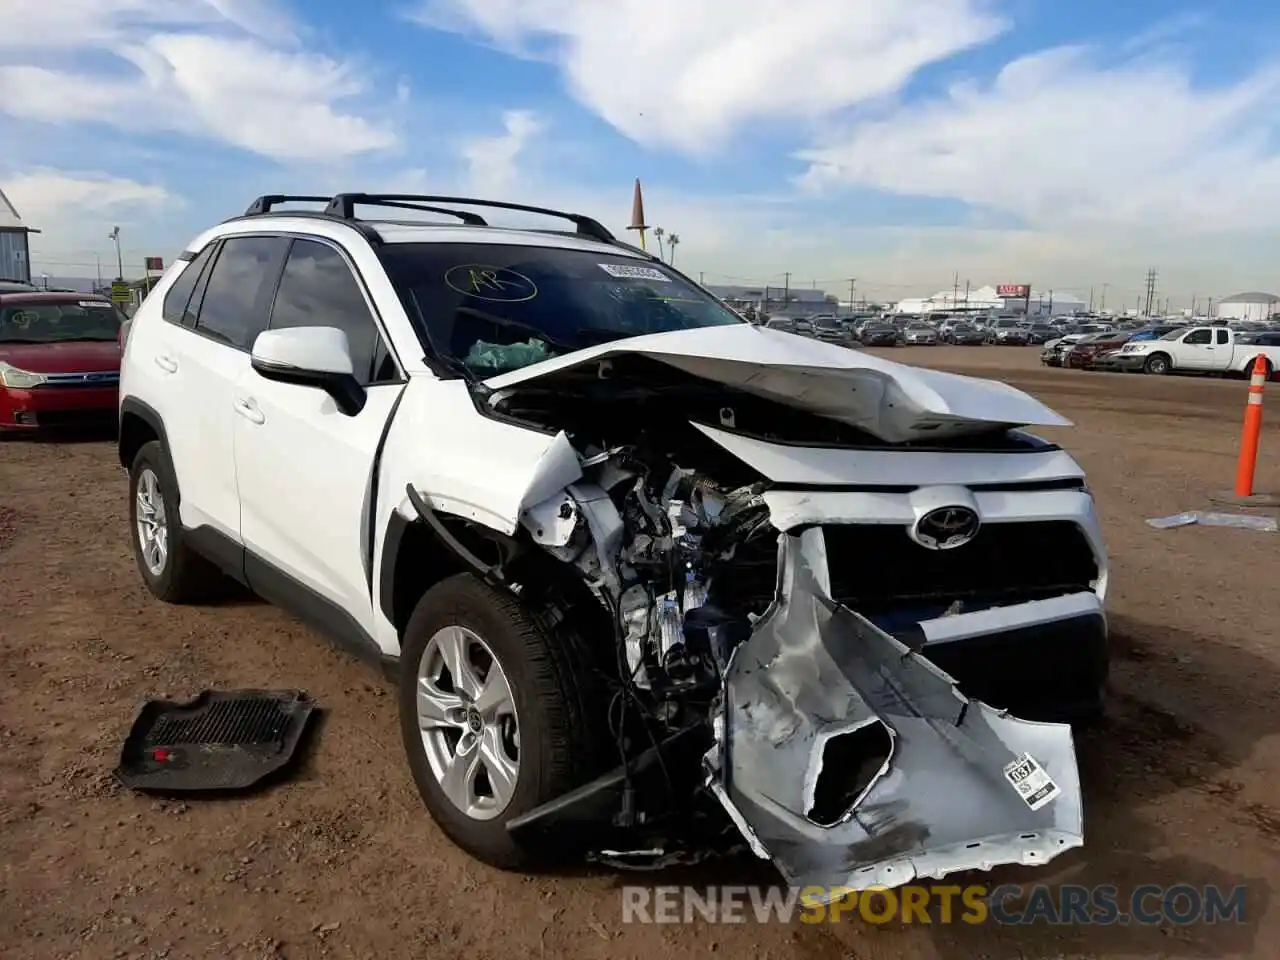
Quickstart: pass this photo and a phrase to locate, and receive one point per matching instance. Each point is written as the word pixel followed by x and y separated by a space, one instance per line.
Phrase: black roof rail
pixel 264 204
pixel 470 219
pixel 343 205
pixel 366 230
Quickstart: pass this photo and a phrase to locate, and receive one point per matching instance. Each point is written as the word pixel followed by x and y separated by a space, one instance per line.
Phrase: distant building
pixel 1247 306
pixel 15 251
pixel 775 300
pixel 983 299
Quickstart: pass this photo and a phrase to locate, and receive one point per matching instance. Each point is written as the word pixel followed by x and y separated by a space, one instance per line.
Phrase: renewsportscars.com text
pixel 1067 905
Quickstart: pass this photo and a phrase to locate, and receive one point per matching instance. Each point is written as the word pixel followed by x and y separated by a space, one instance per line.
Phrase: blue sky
pixel 1067 145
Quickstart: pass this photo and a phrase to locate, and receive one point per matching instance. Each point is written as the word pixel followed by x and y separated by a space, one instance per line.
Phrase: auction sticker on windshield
pixel 625 271
pixel 1034 786
pixel 99 304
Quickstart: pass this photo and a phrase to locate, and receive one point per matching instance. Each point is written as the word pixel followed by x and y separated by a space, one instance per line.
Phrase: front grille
pixel 105 378
pixel 877 567
pixel 245 721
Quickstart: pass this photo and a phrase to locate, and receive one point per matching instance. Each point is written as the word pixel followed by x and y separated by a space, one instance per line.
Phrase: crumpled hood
pixel 892 401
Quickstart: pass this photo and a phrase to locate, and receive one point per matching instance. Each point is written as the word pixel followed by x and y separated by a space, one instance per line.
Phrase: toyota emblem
pixel 946 528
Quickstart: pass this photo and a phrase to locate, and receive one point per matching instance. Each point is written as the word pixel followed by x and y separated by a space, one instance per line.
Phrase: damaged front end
pixel 853 762
pixel 838 752
pixel 819 718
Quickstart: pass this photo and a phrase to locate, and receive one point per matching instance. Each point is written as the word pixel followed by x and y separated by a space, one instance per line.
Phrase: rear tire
pixel 539 750
pixel 172 571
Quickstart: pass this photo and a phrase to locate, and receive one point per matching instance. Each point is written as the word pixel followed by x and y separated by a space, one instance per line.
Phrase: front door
pixel 304 468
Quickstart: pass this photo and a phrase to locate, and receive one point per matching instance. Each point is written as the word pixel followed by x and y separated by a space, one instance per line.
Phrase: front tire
pixel 493 720
pixel 172 571
pixel 1157 364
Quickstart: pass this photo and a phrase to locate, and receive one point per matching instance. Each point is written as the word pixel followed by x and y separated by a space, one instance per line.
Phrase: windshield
pixel 498 307
pixel 45 322
pixel 1174 334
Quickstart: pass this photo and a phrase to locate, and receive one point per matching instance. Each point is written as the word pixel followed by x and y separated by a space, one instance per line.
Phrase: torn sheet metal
pixel 946 800
pixel 892 401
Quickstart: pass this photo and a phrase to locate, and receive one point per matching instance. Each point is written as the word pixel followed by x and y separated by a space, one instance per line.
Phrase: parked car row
pixel 894 331
pixel 1165 349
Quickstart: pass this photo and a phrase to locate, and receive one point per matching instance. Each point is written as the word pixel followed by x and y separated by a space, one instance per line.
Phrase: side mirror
pixel 317 357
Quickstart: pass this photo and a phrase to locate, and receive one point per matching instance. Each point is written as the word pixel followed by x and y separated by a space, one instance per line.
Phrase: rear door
pixel 205 356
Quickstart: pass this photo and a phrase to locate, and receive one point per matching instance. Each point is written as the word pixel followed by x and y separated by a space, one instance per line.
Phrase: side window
pixel 1198 337
pixel 229 308
pixel 318 289
pixel 1223 336
pixel 179 295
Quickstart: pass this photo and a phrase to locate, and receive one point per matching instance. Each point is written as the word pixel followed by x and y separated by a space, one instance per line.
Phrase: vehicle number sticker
pixel 627 272
pixel 95 303
pixel 1034 786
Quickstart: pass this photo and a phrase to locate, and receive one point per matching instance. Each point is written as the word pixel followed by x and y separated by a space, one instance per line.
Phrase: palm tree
pixel 672 240
pixel 660 233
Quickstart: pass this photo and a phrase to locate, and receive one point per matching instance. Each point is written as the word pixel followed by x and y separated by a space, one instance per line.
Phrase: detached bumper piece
pixel 218 742
pixel 853 762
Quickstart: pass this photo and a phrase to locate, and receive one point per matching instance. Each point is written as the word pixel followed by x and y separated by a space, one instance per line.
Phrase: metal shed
pixel 15 251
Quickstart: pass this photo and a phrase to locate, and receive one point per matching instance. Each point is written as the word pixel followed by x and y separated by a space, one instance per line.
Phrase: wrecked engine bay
pixel 743 685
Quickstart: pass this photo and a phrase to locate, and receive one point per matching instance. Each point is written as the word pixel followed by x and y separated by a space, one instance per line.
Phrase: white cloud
pixel 222 83
pixel 492 161
pixel 67 24
pixel 1061 140
pixel 44 195
pixel 690 75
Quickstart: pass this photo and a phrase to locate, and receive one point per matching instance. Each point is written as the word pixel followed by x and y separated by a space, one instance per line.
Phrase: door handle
pixel 248 409
pixel 166 363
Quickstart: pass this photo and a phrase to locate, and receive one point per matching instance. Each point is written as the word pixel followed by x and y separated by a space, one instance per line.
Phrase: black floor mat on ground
pixel 220 741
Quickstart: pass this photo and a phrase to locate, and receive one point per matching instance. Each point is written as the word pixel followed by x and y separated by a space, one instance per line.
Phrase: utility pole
pixel 1151 290
pixel 786 290
pixel 115 235
pixel 1103 305
pixel 1208 311
pixel 966 294
pixel 1050 303
pixel 1091 299
pixel 955 290
pixel 853 284
pixel 700 283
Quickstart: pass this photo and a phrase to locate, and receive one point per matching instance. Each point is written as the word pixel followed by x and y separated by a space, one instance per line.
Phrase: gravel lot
pixel 344 862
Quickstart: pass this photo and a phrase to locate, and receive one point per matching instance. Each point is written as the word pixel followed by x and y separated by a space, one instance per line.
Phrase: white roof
pixel 413 233
pixel 8 213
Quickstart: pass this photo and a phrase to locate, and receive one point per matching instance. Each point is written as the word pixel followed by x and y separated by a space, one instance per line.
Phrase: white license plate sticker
pixel 625 271
pixel 1034 786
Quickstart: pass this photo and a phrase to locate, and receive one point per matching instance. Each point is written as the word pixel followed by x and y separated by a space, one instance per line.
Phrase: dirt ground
pixel 343 861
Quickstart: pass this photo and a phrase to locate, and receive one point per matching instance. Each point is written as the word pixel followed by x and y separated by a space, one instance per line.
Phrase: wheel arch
pixel 139 425
pixel 415 557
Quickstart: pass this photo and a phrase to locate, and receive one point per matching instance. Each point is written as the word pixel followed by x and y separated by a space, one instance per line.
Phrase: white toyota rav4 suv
pixel 651 580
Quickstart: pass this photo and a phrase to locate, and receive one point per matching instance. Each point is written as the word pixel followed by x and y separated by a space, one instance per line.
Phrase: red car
pixel 59 360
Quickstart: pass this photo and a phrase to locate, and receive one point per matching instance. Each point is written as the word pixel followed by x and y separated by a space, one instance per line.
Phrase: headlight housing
pixel 11 376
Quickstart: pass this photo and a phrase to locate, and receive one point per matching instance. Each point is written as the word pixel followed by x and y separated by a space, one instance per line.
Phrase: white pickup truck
pixel 1202 350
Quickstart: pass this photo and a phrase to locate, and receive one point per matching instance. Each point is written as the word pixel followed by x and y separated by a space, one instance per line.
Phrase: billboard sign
pixel 1012 291
pixel 120 292
pixel 155 264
